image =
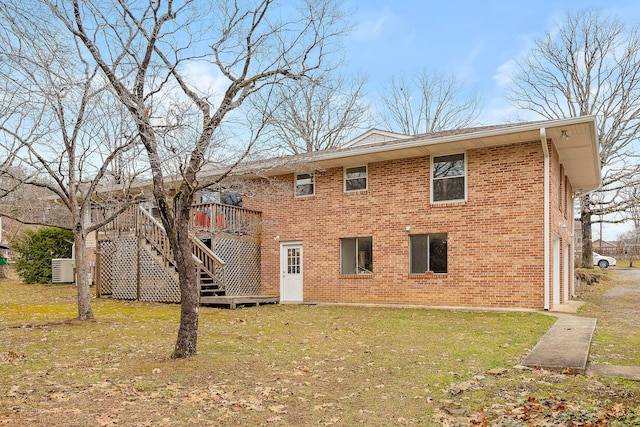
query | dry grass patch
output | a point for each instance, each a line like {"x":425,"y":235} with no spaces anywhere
{"x":616,"y":304}
{"x":287,"y":365}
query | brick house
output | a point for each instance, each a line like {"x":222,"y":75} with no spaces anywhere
{"x":477,"y":217}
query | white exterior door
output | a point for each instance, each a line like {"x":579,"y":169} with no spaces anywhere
{"x":291,"y":272}
{"x":567,"y":283}
{"x":556,"y":270}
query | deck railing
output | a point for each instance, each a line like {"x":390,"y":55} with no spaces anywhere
{"x":211,"y":269}
{"x":218,"y":218}
{"x":206,"y":217}
{"x":126,"y":221}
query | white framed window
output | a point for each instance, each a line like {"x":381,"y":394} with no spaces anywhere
{"x":449,"y":178}
{"x":428,"y":252}
{"x":305,"y":184}
{"x":355,"y":178}
{"x":356,"y":255}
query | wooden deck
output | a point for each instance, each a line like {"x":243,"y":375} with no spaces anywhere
{"x":233,"y":301}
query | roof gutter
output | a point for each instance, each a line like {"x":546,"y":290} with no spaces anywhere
{"x":546,"y":219}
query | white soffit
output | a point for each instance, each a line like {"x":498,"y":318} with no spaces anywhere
{"x":578,"y":153}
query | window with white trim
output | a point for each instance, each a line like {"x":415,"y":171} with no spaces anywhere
{"x":356,"y":255}
{"x":428,"y":252}
{"x":355,"y":178}
{"x":305,"y":184}
{"x":448,"y":178}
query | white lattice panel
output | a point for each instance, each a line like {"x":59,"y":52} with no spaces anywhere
{"x":242,"y":265}
{"x":156,"y":283}
{"x":119,"y":273}
{"x":124,"y":268}
{"x":107,"y":259}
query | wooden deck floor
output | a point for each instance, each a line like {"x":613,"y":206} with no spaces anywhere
{"x":233,"y":301}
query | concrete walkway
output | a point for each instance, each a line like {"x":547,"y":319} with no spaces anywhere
{"x":565,"y":346}
{"x":626,"y":372}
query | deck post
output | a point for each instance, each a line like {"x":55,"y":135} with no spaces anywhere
{"x":138,"y":262}
{"x":98,"y":278}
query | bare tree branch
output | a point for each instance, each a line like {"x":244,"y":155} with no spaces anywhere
{"x":427,"y":102}
{"x":147,"y":50}
{"x":589,"y":65}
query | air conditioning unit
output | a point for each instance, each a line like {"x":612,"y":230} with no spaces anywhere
{"x":62,"y":270}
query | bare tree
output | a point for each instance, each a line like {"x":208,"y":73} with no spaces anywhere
{"x":317,"y":114}
{"x":589,"y":65}
{"x":148,"y":52}
{"x":631,"y":239}
{"x":55,"y":127}
{"x":428,"y":101}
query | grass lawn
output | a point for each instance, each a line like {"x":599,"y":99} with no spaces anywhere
{"x":617,"y":337}
{"x":281,"y":365}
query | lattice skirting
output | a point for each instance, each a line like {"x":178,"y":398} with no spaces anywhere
{"x":242,"y":265}
{"x":119,"y":273}
{"x":121,"y":259}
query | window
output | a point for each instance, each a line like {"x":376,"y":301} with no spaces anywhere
{"x":305,"y":184}
{"x":355,"y":179}
{"x":448,"y":178}
{"x":294,"y":260}
{"x":356,"y":255}
{"x":428,"y":252}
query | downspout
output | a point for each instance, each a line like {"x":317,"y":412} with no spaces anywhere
{"x":546,"y":220}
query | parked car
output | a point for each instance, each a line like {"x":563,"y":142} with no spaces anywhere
{"x":603,"y":261}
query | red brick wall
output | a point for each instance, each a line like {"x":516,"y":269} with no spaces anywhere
{"x":495,"y":245}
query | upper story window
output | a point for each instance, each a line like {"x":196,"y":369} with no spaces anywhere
{"x":448,"y":178}
{"x":305,"y":184}
{"x":355,"y":179}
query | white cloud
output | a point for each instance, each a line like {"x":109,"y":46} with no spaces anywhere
{"x":373,"y":26}
{"x":504,"y":73}
{"x":206,"y":79}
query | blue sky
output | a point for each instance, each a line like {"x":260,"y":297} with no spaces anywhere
{"x":477,"y":40}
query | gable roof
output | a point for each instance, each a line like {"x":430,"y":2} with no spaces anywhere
{"x":575,"y":139}
{"x":374,"y":136}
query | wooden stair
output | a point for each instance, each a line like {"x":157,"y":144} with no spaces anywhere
{"x":219,"y":284}
{"x":210,"y":274}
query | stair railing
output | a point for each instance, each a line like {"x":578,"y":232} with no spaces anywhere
{"x":211,"y":264}
{"x":152,"y":230}
{"x":208,"y":262}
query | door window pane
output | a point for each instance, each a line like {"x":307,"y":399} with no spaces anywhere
{"x":293,"y":261}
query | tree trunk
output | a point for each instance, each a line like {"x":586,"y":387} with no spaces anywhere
{"x":82,"y":284}
{"x":587,"y":242}
{"x":187,"y":340}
